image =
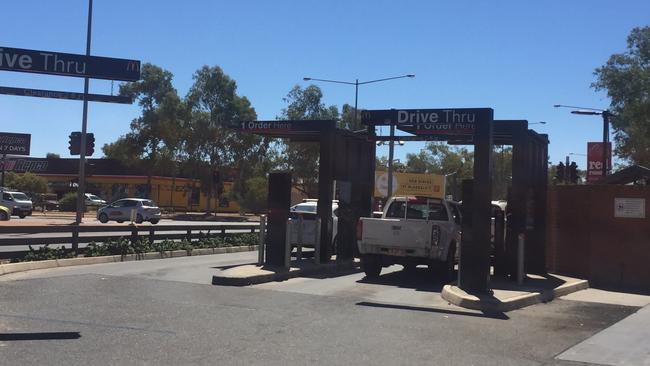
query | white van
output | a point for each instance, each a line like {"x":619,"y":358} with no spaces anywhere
{"x":18,"y":202}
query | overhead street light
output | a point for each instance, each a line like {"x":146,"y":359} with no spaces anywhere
{"x":538,"y":123}
{"x":606,"y":114}
{"x":356,"y":84}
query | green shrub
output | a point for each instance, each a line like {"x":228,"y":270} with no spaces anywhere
{"x":96,"y":250}
{"x":45,"y":253}
{"x":68,"y":202}
{"x":123,"y":246}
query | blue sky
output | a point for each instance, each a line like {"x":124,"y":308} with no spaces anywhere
{"x":517,"y":57}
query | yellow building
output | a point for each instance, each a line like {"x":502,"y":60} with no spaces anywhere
{"x":177,"y":193}
{"x":111,"y":181}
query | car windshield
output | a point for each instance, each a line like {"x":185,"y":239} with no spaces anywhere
{"x":418,"y":209}
{"x":20,"y":197}
{"x":304,"y":208}
{"x":94,"y":198}
{"x":148,"y":203}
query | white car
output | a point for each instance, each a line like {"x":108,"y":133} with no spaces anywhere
{"x":307,"y":210}
{"x":18,"y":202}
{"x":120,"y":211}
{"x":93,"y":200}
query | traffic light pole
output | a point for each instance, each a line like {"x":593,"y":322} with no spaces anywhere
{"x":81,"y":200}
{"x":605,"y":115}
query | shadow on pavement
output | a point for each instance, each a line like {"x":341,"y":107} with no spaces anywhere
{"x":233,"y":265}
{"x":44,"y":336}
{"x":419,"y":279}
{"x":491,"y":315}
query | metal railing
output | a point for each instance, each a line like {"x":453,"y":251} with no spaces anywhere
{"x":132,"y":232}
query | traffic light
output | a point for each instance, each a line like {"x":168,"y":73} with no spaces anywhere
{"x":90,"y":144}
{"x":573,"y":173}
{"x":75,"y":143}
{"x":560,"y":172}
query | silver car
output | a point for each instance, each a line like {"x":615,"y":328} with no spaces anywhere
{"x":120,"y":211}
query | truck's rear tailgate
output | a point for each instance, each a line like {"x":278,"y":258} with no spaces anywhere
{"x":410,"y":235}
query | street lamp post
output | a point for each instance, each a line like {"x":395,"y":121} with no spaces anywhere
{"x":356,"y":84}
{"x":606,"y":114}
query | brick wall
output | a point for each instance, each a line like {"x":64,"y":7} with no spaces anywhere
{"x":587,"y":241}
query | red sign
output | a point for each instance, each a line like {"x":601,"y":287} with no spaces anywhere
{"x":595,"y":160}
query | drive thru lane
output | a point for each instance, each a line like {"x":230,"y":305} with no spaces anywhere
{"x":163,"y":312}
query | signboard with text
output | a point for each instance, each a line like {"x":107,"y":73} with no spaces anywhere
{"x":64,"y":95}
{"x":629,"y":207}
{"x":15,"y":143}
{"x":410,"y":184}
{"x":284,"y":127}
{"x":68,"y":64}
{"x":449,"y":121}
{"x":595,"y":160}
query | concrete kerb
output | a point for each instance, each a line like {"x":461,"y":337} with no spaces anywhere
{"x":250,"y":274}
{"x":48,"y":264}
{"x":458,"y":297}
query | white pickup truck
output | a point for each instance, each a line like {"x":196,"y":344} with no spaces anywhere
{"x":411,"y":231}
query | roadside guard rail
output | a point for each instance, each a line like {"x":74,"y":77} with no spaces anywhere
{"x":132,"y":232}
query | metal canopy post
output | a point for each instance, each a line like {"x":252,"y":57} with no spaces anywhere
{"x":476,"y":251}
{"x":325,"y":191}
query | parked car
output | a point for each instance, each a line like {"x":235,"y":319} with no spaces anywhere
{"x":47,"y":201}
{"x":411,"y":231}
{"x":307,"y":210}
{"x":93,"y":200}
{"x":5,"y":213}
{"x":18,"y":202}
{"x":120,"y":211}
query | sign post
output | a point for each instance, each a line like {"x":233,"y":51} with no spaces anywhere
{"x":81,"y":191}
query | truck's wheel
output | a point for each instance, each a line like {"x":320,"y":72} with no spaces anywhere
{"x":371,"y":266}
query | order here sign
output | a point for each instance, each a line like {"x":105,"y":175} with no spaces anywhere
{"x":15,"y":143}
{"x":410,"y":184}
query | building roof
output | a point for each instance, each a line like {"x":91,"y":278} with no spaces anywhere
{"x":631,"y":174}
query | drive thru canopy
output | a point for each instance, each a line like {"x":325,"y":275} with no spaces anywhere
{"x":349,"y":158}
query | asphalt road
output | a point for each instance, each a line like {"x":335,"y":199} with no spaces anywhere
{"x":164,"y":312}
{"x":87,"y":222}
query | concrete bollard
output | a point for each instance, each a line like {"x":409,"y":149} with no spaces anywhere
{"x":301,"y":223}
{"x":317,"y":242}
{"x":520,"y":258}
{"x":260,"y":249}
{"x":287,"y":245}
